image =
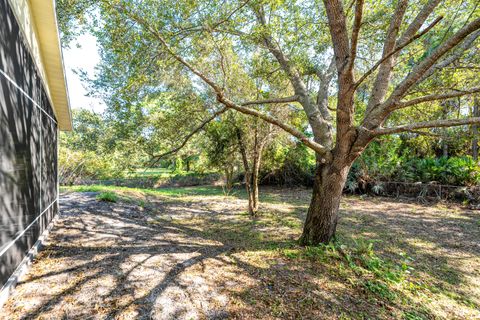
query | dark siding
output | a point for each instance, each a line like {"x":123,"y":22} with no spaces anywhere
{"x":28,"y":149}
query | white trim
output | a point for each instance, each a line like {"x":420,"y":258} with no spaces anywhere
{"x":44,"y":18}
{"x":26,"y":94}
{"x":25,"y":230}
{"x":42,"y":154}
{"x":62,"y":61}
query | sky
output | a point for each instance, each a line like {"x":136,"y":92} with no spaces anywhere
{"x":82,"y":56}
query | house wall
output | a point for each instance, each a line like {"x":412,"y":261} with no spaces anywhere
{"x":28,"y":147}
{"x":24,"y":18}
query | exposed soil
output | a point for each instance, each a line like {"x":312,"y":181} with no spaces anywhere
{"x":202,"y":257}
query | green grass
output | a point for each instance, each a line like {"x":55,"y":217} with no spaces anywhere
{"x":107,"y":196}
{"x":169,"y":192}
{"x":180,"y":192}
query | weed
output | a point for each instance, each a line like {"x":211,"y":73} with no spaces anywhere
{"x":381,"y":289}
{"x":364,"y":247}
{"x":293,"y":254}
{"x":375,"y":274}
{"x":412,"y":315}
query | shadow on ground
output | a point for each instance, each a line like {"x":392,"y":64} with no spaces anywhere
{"x":201,"y":257}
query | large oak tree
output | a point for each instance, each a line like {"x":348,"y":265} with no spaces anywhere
{"x":326,"y":53}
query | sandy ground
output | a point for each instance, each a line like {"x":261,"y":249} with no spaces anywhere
{"x":109,"y":261}
{"x":122,"y":261}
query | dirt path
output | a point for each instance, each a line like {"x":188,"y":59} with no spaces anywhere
{"x":201,"y":258}
{"x":109,"y":261}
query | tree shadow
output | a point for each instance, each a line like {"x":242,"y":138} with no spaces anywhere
{"x":442,"y":242}
{"x":177,"y":261}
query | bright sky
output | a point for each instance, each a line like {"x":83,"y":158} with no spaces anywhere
{"x":82,"y":56}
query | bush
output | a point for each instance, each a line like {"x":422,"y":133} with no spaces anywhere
{"x":298,"y":168}
{"x":75,"y":166}
{"x":460,"y":171}
{"x":454,"y":170}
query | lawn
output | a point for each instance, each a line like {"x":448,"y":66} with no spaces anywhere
{"x":194,"y":253}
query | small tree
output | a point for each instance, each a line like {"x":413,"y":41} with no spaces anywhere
{"x":222,"y":151}
{"x":252,"y":139}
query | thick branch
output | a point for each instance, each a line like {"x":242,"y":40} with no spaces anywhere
{"x":341,"y":47}
{"x":293,"y":98}
{"x":418,"y":71}
{"x":187,"y":138}
{"x":419,"y":20}
{"x":427,"y":124}
{"x":464,"y":46}
{"x":357,"y":23}
{"x":322,"y":96}
{"x":434,"y":97}
{"x":292,"y":130}
{"x":321,"y":126}
{"x":397,"y":49}
{"x":384,"y":74}
{"x":338,"y":31}
{"x":277,"y":52}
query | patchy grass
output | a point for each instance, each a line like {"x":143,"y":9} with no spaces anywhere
{"x":183,"y":192}
{"x":168,"y":192}
{"x":195,"y":253}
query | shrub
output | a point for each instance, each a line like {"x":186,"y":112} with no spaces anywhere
{"x":461,"y":171}
{"x":297,"y":168}
{"x":453,"y":170}
{"x":75,"y":166}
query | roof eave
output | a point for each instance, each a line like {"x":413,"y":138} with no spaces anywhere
{"x":44,"y":16}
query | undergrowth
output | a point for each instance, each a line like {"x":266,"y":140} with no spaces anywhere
{"x":376,"y":275}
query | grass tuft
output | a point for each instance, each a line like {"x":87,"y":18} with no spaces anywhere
{"x":107,"y":196}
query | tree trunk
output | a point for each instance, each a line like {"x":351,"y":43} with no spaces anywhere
{"x":251,"y":181}
{"x":445,"y":148}
{"x":254,"y":183}
{"x":322,"y":215}
{"x":229,"y":171}
{"x":251,"y":177}
{"x":252,"y":200}
{"x":476,"y":113}
{"x":252,"y":192}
